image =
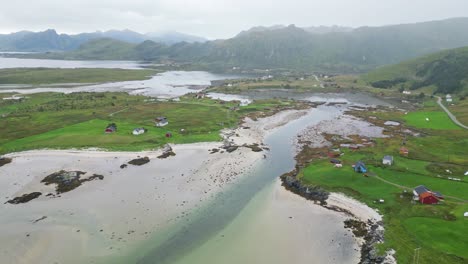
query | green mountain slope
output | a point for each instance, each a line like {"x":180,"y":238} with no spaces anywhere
{"x":291,"y":47}
{"x":442,"y":72}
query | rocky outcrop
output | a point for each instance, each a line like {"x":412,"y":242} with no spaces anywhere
{"x":167,"y":152}
{"x":24,"y":198}
{"x":314,"y":193}
{"x":68,"y":180}
{"x":139,"y":161}
{"x":4,"y":161}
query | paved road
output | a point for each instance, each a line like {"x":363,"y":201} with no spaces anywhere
{"x":454,"y":119}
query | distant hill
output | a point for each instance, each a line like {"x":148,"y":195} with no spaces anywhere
{"x":443,"y":72}
{"x":49,"y":40}
{"x":291,"y":47}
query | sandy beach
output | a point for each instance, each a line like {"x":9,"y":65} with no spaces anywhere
{"x":109,"y":217}
{"x":279,"y":227}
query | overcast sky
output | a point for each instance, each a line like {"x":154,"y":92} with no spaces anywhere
{"x":215,"y":18}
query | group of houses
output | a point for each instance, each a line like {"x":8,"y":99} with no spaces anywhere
{"x":158,"y":122}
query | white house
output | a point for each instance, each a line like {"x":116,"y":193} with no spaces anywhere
{"x":387,"y":160}
{"x":406,"y":92}
{"x":448,"y":98}
{"x":138,"y":131}
{"x":161,"y":121}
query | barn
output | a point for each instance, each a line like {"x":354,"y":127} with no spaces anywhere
{"x":428,"y":198}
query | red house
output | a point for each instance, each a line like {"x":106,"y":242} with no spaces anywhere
{"x":404,"y":151}
{"x":428,"y":198}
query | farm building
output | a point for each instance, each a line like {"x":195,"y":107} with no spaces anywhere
{"x":139,"y":131}
{"x":426,"y":196}
{"x":387,"y":160}
{"x":404,"y":151}
{"x":448,"y":98}
{"x":360,"y":167}
{"x":161,"y":121}
{"x":111,"y":128}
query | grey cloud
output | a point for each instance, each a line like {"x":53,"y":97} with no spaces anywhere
{"x":216,"y":18}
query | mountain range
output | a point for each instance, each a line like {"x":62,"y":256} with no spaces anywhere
{"x":50,"y":40}
{"x":334,"y":49}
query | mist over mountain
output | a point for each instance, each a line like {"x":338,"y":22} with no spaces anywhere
{"x":339,"y":50}
{"x":50,"y":40}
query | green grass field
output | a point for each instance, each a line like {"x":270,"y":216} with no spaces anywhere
{"x":440,"y":230}
{"x":78,"y":120}
{"x":36,"y":76}
{"x":437,"y":120}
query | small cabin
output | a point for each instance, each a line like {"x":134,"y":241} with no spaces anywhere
{"x":387,"y":160}
{"x":404,"y":151}
{"x":161,"y":121}
{"x":111,"y":128}
{"x":360,"y":167}
{"x":139,"y":131}
{"x":448,"y":98}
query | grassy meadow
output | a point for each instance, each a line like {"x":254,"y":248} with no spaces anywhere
{"x":439,"y":230}
{"x":38,"y":76}
{"x":78,"y":120}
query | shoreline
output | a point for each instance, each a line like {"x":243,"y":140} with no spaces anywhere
{"x":195,"y":186}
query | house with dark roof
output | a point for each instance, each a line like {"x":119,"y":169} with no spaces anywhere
{"x":139,"y":131}
{"x":426,"y":196}
{"x":111,"y":128}
{"x":161,"y":121}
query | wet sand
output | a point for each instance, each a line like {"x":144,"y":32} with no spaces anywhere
{"x":128,"y":205}
{"x":280,"y":227}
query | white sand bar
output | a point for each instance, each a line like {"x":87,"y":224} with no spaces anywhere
{"x":127,"y":205}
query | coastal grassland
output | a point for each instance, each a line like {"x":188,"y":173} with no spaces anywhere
{"x":38,"y":76}
{"x":78,"y":120}
{"x":439,"y":230}
{"x":436,"y":120}
{"x":460,"y":110}
{"x":296,"y":83}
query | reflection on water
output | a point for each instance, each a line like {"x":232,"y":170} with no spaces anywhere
{"x":6,"y":63}
{"x":164,"y":85}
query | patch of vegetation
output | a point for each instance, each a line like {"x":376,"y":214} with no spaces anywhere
{"x":78,"y":120}
{"x":5,"y":161}
{"x":387,"y":83}
{"x":139,"y":161}
{"x":437,"y":229}
{"x":430,"y":120}
{"x":443,"y":72}
{"x":37,"y":76}
{"x":68,"y":180}
{"x":24,"y":198}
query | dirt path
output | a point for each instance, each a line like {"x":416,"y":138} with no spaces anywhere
{"x":454,"y":119}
